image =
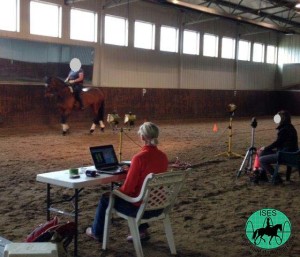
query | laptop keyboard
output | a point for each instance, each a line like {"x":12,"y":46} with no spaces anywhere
{"x":109,"y":168}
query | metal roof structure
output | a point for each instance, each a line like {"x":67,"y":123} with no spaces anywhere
{"x":279,"y":15}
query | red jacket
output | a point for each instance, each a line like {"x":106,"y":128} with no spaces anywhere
{"x":149,"y":160}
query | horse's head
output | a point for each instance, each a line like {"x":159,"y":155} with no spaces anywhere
{"x":53,"y":86}
{"x":49,"y":88}
{"x":279,"y":226}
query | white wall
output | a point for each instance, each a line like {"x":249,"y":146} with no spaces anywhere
{"x":289,"y":59}
{"x":130,"y":67}
{"x":116,"y":66}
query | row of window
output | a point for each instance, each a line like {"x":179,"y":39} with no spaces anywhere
{"x":46,"y":20}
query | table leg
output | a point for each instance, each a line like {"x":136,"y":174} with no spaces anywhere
{"x":76,"y":221}
{"x":48,"y":201}
{"x":75,"y":214}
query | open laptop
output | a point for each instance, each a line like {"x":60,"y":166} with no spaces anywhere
{"x":105,"y":159}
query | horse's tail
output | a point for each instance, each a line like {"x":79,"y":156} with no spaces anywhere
{"x":254,"y":234}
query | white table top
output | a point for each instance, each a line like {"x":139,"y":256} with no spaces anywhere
{"x":3,"y":243}
{"x":62,"y":178}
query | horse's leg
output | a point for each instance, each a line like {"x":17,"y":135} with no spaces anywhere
{"x":102,"y":126}
{"x":98,"y":120}
{"x":270,"y":240}
{"x":255,"y":240}
{"x":101,"y":116}
{"x":64,"y":124}
{"x":261,"y":236}
{"x":95,"y":120}
{"x":279,"y":238}
{"x":92,"y":129}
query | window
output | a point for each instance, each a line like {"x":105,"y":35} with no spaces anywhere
{"x":228,"y":48}
{"x":210,"y":45}
{"x":169,"y":39}
{"x":258,"y":52}
{"x":191,"y":42}
{"x":45,"y":19}
{"x":244,"y":50}
{"x":271,"y":54}
{"x":144,"y":35}
{"x":116,"y":31}
{"x":10,"y":15}
{"x":83,"y":25}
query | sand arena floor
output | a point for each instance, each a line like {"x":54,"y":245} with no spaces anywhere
{"x":210,"y":215}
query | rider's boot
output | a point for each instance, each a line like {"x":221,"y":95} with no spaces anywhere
{"x":81,"y":106}
{"x":79,"y":99}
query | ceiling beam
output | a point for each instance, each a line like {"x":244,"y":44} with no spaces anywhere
{"x":67,"y":2}
{"x":258,"y":12}
{"x":112,"y":4}
{"x":214,"y":12}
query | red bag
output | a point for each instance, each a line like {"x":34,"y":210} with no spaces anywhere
{"x":62,"y":234}
{"x":51,"y":231}
{"x":41,"y":229}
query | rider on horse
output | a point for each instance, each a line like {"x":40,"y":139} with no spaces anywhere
{"x":75,"y":78}
{"x":268,"y":223}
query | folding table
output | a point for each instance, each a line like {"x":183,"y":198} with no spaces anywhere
{"x":62,"y":179}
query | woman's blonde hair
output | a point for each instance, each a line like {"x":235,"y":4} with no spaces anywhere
{"x":150,"y":133}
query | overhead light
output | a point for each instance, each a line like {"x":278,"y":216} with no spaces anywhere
{"x":297,"y":5}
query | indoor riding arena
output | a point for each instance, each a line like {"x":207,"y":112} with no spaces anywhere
{"x":212,"y":75}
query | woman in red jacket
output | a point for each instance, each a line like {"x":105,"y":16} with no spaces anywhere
{"x":149,"y":160}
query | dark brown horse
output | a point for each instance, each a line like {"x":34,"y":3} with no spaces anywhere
{"x":91,"y":97}
{"x":269,"y":231}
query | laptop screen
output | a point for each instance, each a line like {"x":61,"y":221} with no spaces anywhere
{"x":104,"y":156}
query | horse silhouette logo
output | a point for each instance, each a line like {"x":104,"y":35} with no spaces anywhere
{"x":268,"y":228}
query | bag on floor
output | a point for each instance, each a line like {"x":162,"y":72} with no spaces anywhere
{"x":41,"y":229}
{"x":52,"y":231}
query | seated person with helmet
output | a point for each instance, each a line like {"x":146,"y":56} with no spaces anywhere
{"x":287,"y":140}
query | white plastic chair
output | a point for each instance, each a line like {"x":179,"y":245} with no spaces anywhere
{"x":159,"y":192}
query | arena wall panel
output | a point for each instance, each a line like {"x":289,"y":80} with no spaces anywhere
{"x":290,"y":100}
{"x":26,"y":105}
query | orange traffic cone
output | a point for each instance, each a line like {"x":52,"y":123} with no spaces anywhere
{"x":215,"y":128}
{"x":256,"y":164}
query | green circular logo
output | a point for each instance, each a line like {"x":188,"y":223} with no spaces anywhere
{"x":268,"y":229}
